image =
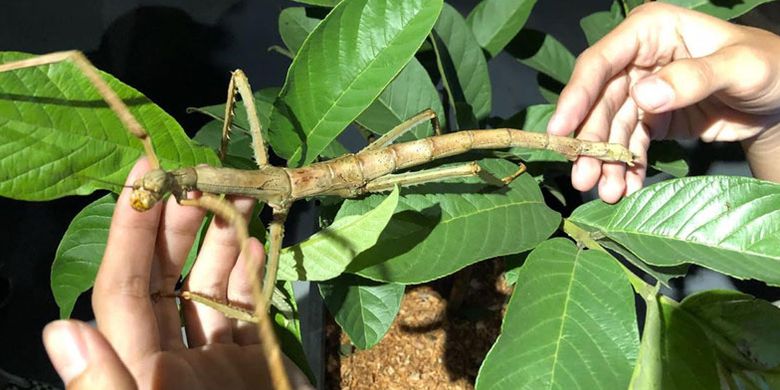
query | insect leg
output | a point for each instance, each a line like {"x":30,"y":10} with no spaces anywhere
{"x":404,"y":127}
{"x":255,"y":128}
{"x":276,"y":231}
{"x":386,"y":183}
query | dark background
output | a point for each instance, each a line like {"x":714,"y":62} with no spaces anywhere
{"x":179,"y":54}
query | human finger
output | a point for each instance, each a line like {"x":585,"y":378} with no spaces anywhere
{"x":178,"y":227}
{"x":83,"y":357}
{"x":612,"y":184}
{"x":121,"y":296}
{"x":250,"y":260}
{"x":209,"y":277}
{"x":639,"y":146}
{"x":593,"y":70}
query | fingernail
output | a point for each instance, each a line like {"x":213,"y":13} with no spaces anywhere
{"x":66,"y":349}
{"x":653,"y":93}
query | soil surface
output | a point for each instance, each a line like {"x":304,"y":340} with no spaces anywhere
{"x":442,"y":333}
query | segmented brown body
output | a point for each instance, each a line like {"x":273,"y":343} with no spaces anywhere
{"x":348,"y":175}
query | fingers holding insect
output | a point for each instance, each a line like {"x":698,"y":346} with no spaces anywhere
{"x":240,"y":289}
{"x":209,"y":277}
{"x":121,"y":296}
{"x":612,"y":184}
{"x":597,"y":127}
{"x":178,"y":227}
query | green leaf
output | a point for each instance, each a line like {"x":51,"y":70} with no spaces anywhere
{"x":60,"y":138}
{"x":496,"y":22}
{"x":335,"y":149}
{"x":534,"y":118}
{"x":719,"y":9}
{"x":668,"y":157}
{"x":543,"y":53}
{"x":468,"y":59}
{"x":597,"y":25}
{"x":570,"y":324}
{"x":295,"y":26}
{"x":673,"y":354}
{"x":442,"y":227}
{"x":596,"y":213}
{"x":80,"y":251}
{"x":459,"y":108}
{"x":374,"y":40}
{"x":364,"y":309}
{"x":744,"y":329}
{"x":728,"y":224}
{"x":409,"y":94}
{"x":326,"y":254}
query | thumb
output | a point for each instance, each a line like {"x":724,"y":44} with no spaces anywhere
{"x":83,"y":358}
{"x":683,"y":83}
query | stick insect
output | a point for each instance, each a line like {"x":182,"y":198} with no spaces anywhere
{"x":372,"y":169}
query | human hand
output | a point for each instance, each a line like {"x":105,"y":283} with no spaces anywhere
{"x":668,"y":72}
{"x":139,"y":343}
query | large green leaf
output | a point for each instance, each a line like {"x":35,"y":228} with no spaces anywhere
{"x":295,"y":26}
{"x":570,"y":324}
{"x":58,"y":137}
{"x":409,"y":94}
{"x":364,"y":309}
{"x":344,"y":64}
{"x":442,"y":227}
{"x":496,"y":22}
{"x":720,"y":9}
{"x":728,"y":224}
{"x":468,"y":60}
{"x":326,"y":254}
{"x":79,"y":253}
{"x":598,"y":24}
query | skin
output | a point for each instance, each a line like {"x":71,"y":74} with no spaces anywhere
{"x":138,"y":343}
{"x":668,"y":72}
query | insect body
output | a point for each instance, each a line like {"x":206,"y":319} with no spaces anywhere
{"x":370,"y":170}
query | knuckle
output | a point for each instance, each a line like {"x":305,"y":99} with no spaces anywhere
{"x":135,"y":287}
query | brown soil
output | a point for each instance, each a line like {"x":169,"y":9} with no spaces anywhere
{"x":434,"y":343}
